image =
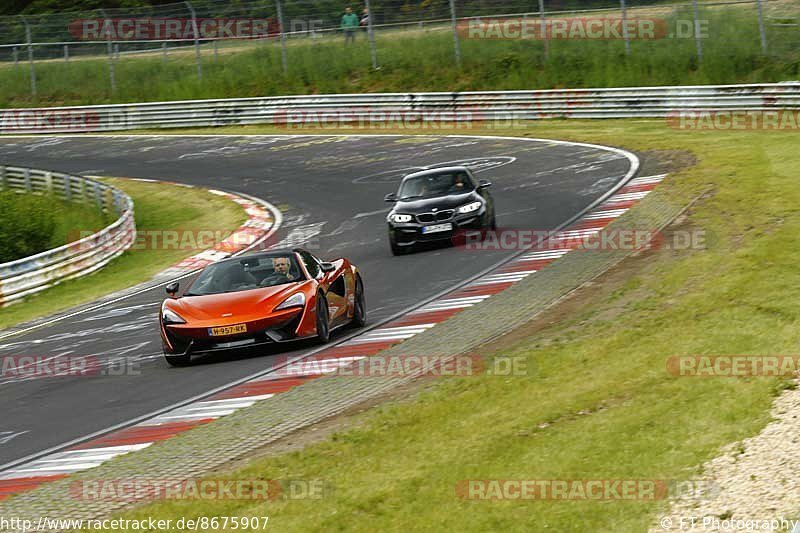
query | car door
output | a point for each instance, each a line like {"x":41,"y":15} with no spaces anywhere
{"x":333,"y":284}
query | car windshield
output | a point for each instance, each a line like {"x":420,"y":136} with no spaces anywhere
{"x":245,"y":274}
{"x":432,"y":185}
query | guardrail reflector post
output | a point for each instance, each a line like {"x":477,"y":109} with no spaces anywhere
{"x":97,"y":196}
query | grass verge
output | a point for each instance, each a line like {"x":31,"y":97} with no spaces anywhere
{"x":34,"y":223}
{"x":599,"y":402}
{"x":732,"y":54}
{"x":158,"y":206}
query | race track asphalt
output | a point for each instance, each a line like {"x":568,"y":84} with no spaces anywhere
{"x":330,"y":190}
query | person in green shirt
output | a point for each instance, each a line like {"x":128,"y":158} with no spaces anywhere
{"x":349,"y":25}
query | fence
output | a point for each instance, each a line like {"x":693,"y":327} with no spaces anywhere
{"x":409,"y":108}
{"x":32,"y":274}
{"x":208,"y":27}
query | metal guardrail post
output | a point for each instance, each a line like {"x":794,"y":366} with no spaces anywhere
{"x":543,"y":28}
{"x":2,"y":178}
{"x":66,"y":53}
{"x":454,"y":23}
{"x":15,"y":55}
{"x":164,"y":51}
{"x":48,"y":181}
{"x":29,"y":39}
{"x":110,"y":49}
{"x":761,"y":30}
{"x":27,"y":179}
{"x":698,"y":39}
{"x":196,"y":32}
{"x":67,"y":188}
{"x":284,"y":59}
{"x":625,"y":28}
{"x":97,"y":198}
{"x":371,"y":36}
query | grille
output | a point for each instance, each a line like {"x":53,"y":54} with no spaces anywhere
{"x":441,"y":216}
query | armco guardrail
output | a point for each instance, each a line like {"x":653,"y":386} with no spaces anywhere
{"x":379,"y":107}
{"x":32,"y":274}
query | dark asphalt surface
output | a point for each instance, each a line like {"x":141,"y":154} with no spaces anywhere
{"x":330,"y":190}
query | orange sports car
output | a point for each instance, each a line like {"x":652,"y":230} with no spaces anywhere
{"x":260,"y":298}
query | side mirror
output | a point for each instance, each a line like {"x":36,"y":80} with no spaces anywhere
{"x":483,"y":184}
{"x":172,"y":289}
{"x":327,"y":267}
{"x":391,"y":197}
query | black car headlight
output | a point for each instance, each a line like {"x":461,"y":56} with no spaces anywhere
{"x":171,"y":317}
{"x":399,"y":217}
{"x":295,"y":300}
{"x":470,"y":207}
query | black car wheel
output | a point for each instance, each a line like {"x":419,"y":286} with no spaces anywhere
{"x":360,"y":305}
{"x":323,"y":327}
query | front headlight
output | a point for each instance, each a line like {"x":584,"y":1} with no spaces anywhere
{"x":395,"y":217}
{"x":295,"y":300}
{"x":470,"y":207}
{"x":171,"y":317}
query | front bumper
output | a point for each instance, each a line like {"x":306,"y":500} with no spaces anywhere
{"x":185,"y":339}
{"x":410,"y":233}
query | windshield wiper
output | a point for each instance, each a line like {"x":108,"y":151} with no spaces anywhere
{"x":410,"y":197}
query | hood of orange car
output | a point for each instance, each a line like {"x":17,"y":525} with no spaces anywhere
{"x":242,"y":303}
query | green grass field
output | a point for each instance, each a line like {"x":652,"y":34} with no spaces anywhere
{"x":600,"y":403}
{"x":157,"y":206}
{"x":32,"y":223}
{"x":421,"y":62}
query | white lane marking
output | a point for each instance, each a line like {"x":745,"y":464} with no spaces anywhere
{"x":627,"y":196}
{"x":73,"y":460}
{"x":609,"y":213}
{"x":189,"y":416}
{"x":371,"y":213}
{"x":541,"y":255}
{"x":646,"y":180}
{"x":7,"y":436}
{"x":505,"y":276}
{"x":120,"y":449}
{"x":251,"y":399}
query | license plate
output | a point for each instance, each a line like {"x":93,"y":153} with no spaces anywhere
{"x":437,"y":228}
{"x":227,"y":330}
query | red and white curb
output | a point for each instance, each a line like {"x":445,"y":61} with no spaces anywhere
{"x":261,"y":219}
{"x":94,"y":452}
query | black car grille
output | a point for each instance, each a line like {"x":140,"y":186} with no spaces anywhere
{"x":439,"y":216}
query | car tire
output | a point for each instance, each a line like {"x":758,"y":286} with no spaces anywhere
{"x":178,"y":360}
{"x":360,"y":305}
{"x":323,"y":320}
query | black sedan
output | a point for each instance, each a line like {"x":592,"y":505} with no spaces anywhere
{"x":436,"y":205}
